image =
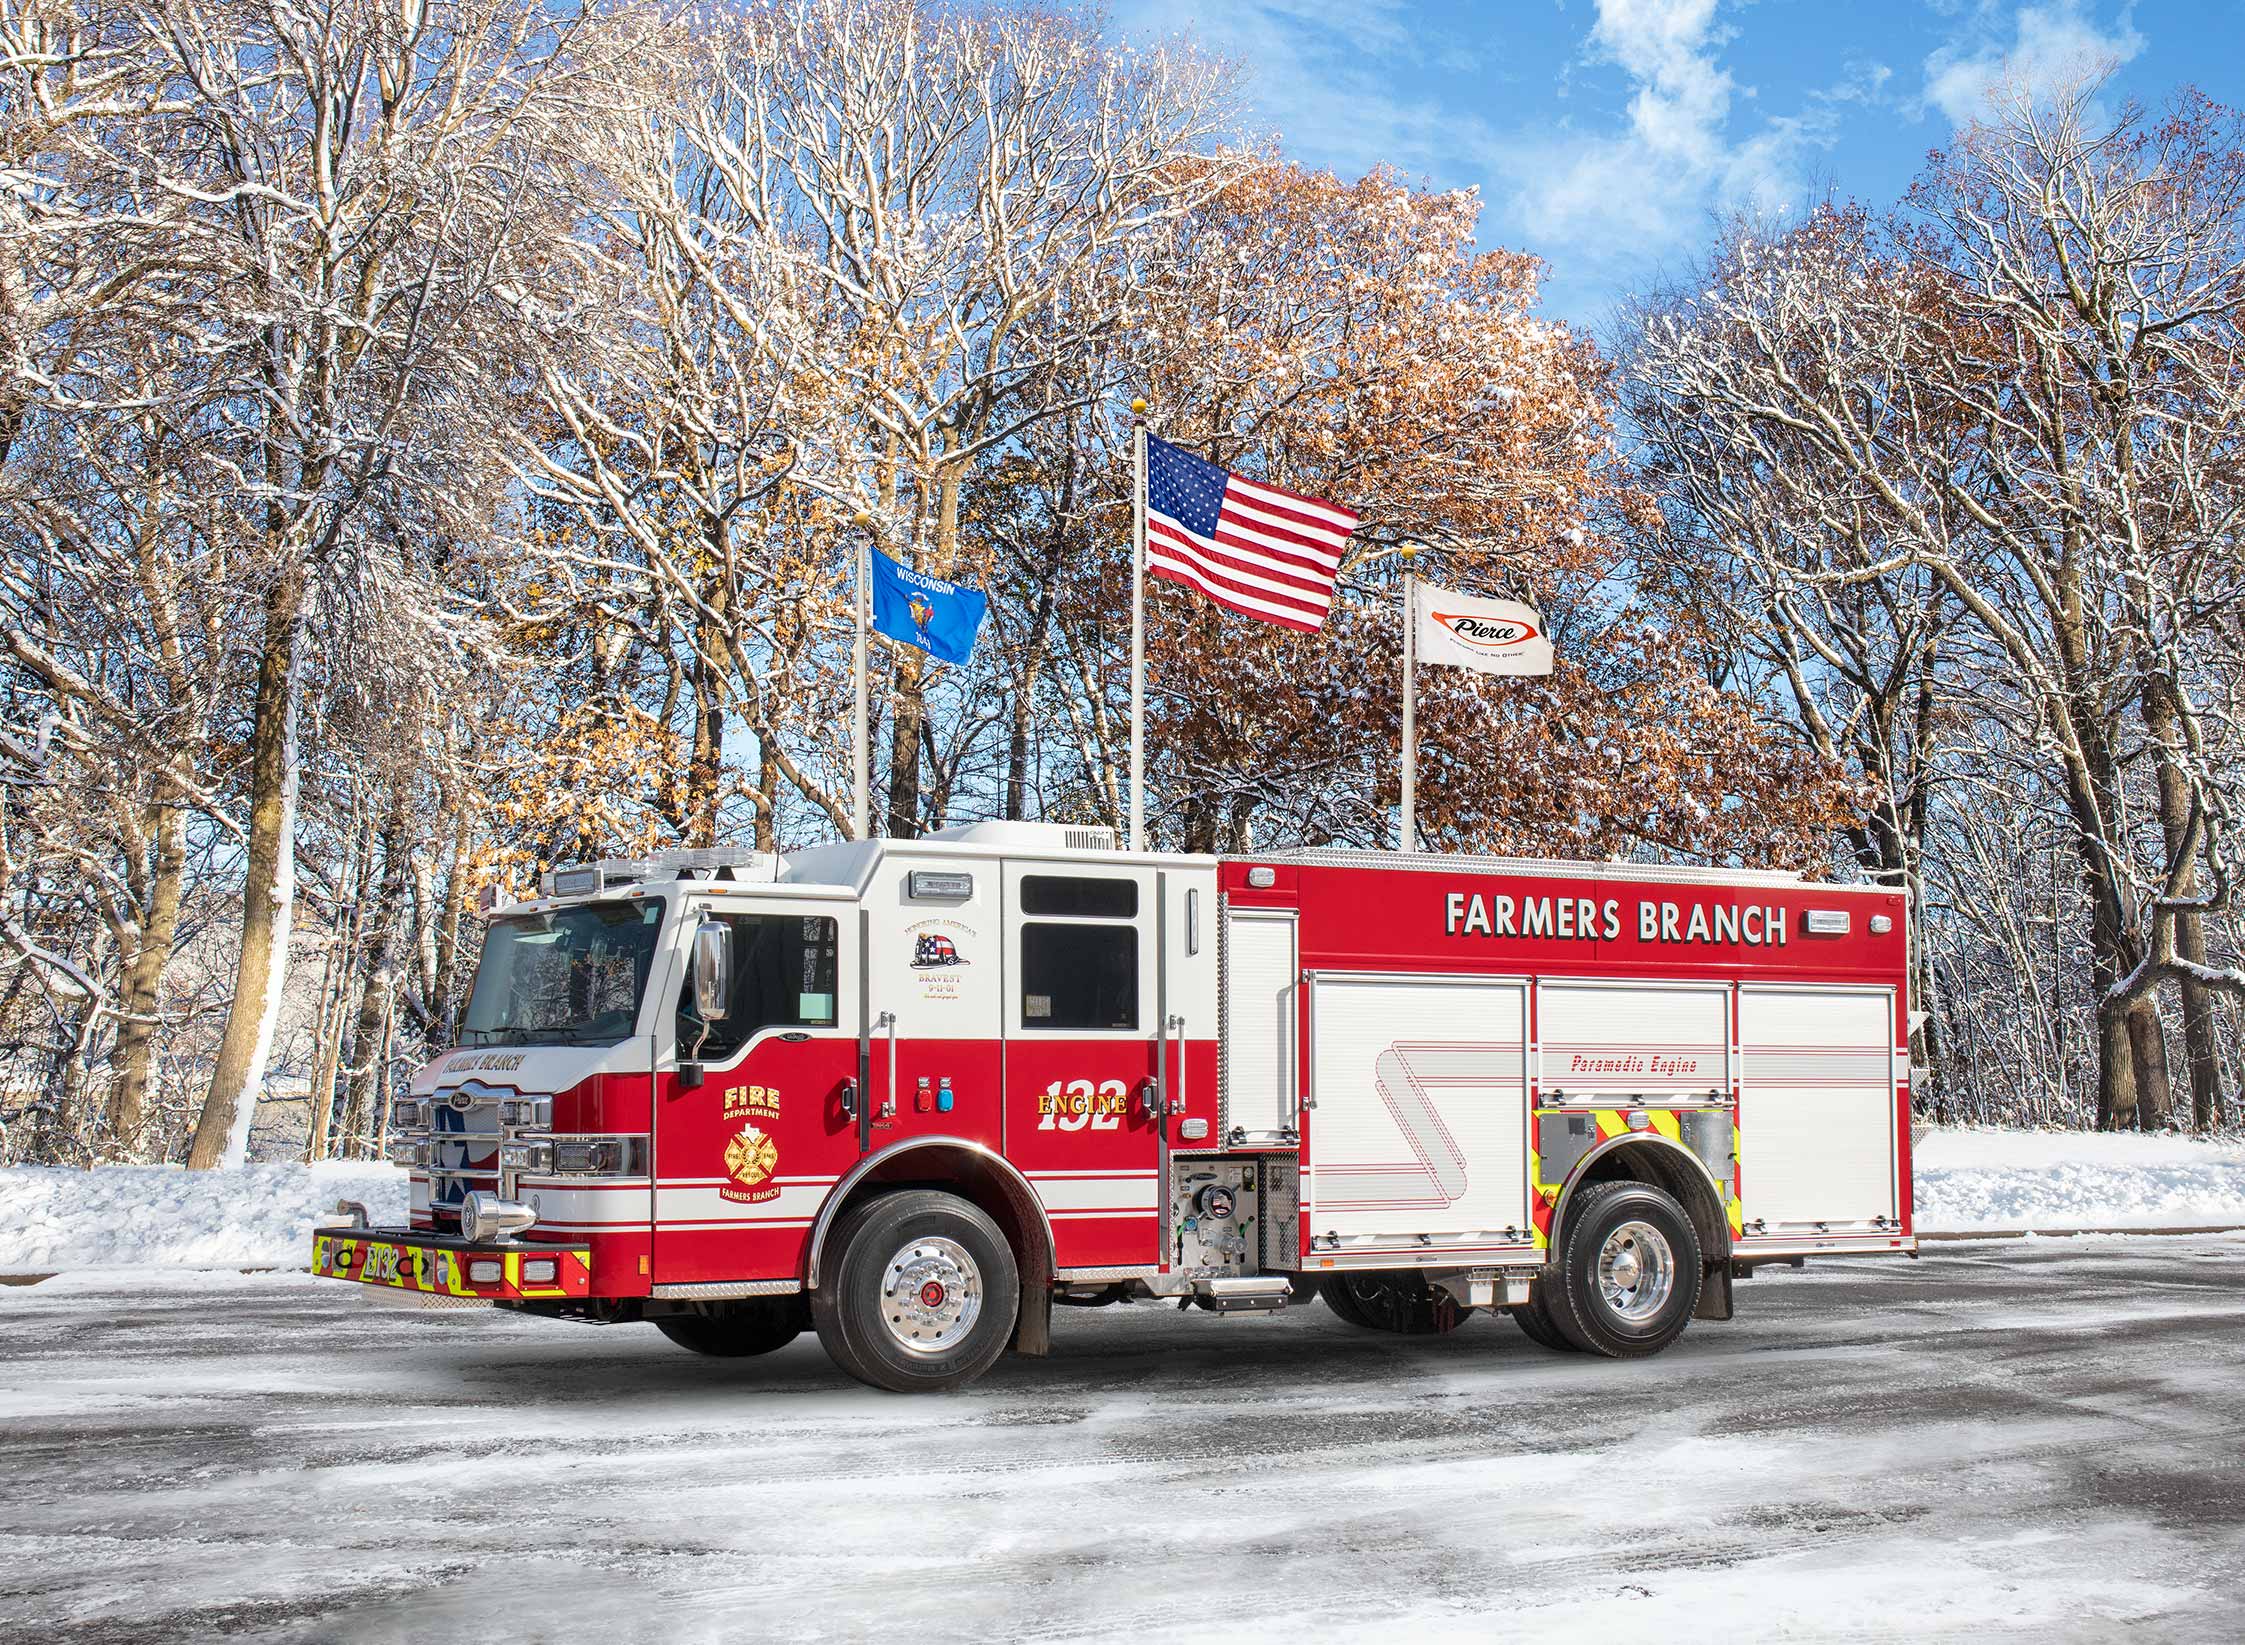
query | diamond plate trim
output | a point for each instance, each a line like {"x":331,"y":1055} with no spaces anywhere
{"x":720,"y":1291}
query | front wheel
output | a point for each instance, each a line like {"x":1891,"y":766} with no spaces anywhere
{"x":740,"y":1332}
{"x":923,"y":1294}
{"x":1627,"y":1274}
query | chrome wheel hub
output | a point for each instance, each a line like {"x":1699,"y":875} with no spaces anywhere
{"x":931,"y":1295}
{"x":1636,"y":1272}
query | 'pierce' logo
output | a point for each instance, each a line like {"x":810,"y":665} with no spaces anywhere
{"x":1487,"y":633}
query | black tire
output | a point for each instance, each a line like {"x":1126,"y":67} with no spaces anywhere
{"x":741,"y":1332}
{"x":1534,"y":1319}
{"x":1401,"y":1303}
{"x":877,"y":1326}
{"x":1579,"y":1302}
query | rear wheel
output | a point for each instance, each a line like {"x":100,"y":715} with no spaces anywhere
{"x":922,"y":1295}
{"x":1534,"y":1318}
{"x":1628,"y":1271}
{"x":740,"y":1332}
{"x":1401,"y":1303}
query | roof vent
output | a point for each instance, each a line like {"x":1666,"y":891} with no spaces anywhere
{"x":1028,"y":836}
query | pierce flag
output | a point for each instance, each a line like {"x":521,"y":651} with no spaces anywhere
{"x":1493,"y":636}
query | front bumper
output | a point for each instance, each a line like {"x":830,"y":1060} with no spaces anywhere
{"x":443,"y":1265}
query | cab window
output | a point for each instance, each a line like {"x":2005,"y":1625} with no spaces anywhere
{"x":1078,"y":971}
{"x":783,"y":976}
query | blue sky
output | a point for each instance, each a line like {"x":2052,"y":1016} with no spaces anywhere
{"x":1605,"y":135}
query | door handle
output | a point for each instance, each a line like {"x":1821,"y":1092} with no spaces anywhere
{"x":887,"y":1020}
{"x":1177,"y":1101}
{"x":849,"y":1099}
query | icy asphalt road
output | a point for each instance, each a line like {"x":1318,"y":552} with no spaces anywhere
{"x":2036,"y":1441}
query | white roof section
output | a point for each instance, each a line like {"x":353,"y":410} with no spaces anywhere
{"x":848,"y":866}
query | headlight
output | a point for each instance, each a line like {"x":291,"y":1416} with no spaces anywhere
{"x":574,"y":1156}
{"x":595,"y":1156}
{"x":409,"y":1114}
{"x":408,"y":1151}
{"x":524,"y":1154}
{"x":526,"y":1113}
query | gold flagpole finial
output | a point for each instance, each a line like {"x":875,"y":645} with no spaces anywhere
{"x":1138,"y":408}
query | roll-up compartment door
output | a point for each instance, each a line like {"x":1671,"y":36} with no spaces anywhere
{"x":1663,"y":1041}
{"x":1420,"y":1125}
{"x":1816,"y":1115}
{"x":1261,"y":1009}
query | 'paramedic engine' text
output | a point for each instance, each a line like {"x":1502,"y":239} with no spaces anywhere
{"x":1586,"y":919}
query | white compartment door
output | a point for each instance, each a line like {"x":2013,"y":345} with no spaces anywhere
{"x":1262,"y":999}
{"x":1654,"y":1042}
{"x":1421,"y":1118}
{"x":1816,"y":1139}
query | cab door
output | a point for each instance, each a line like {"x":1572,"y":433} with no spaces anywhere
{"x":1087,"y":1060}
{"x":754,"y":1116}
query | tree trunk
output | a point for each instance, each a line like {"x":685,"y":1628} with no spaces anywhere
{"x":2200,"y":1044}
{"x":335,"y":989}
{"x":2147,"y":1044}
{"x":268,"y":888}
{"x":378,"y":980}
{"x":448,"y":983}
{"x":135,"y":1052}
{"x":2201,"y":1036}
{"x":705,"y":769}
{"x":908,"y":707}
{"x":2116,"y":1079}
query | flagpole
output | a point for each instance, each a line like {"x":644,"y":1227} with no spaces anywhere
{"x":860,"y":733}
{"x":1138,"y":625}
{"x":1410,"y":699}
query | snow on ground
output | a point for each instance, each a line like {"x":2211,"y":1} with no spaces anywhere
{"x":1989,"y":1179}
{"x":118,"y":1216}
{"x":261,"y":1216}
{"x":2027,"y":1441}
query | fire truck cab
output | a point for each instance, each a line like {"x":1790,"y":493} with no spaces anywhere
{"x":911,"y":1093}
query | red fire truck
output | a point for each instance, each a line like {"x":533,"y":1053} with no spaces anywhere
{"x":729,"y":1097}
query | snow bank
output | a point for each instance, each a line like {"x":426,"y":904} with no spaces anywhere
{"x":259,"y":1216}
{"x":1975,"y":1179}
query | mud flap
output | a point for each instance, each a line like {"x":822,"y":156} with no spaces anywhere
{"x":1032,"y":1327}
{"x":1714,"y":1291}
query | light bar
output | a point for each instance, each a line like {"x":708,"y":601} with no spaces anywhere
{"x":931,"y":885}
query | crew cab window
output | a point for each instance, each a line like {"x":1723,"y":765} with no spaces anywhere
{"x":783,"y":976}
{"x":1071,"y":897}
{"x":1078,"y":971}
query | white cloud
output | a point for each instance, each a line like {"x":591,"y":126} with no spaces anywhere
{"x":1350,"y":84}
{"x":2050,"y":45}
{"x":1325,"y":74}
{"x":1619,"y":195}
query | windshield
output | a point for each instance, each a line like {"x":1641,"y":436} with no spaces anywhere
{"x":574,"y":976}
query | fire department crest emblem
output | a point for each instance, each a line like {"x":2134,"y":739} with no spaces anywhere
{"x":750,"y":1159}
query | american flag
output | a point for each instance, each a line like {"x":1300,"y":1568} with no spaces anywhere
{"x":1251,"y":547}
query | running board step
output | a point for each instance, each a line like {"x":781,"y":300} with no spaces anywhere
{"x":1242,"y":1293}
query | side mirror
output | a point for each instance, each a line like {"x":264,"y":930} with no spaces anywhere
{"x":713,"y":970}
